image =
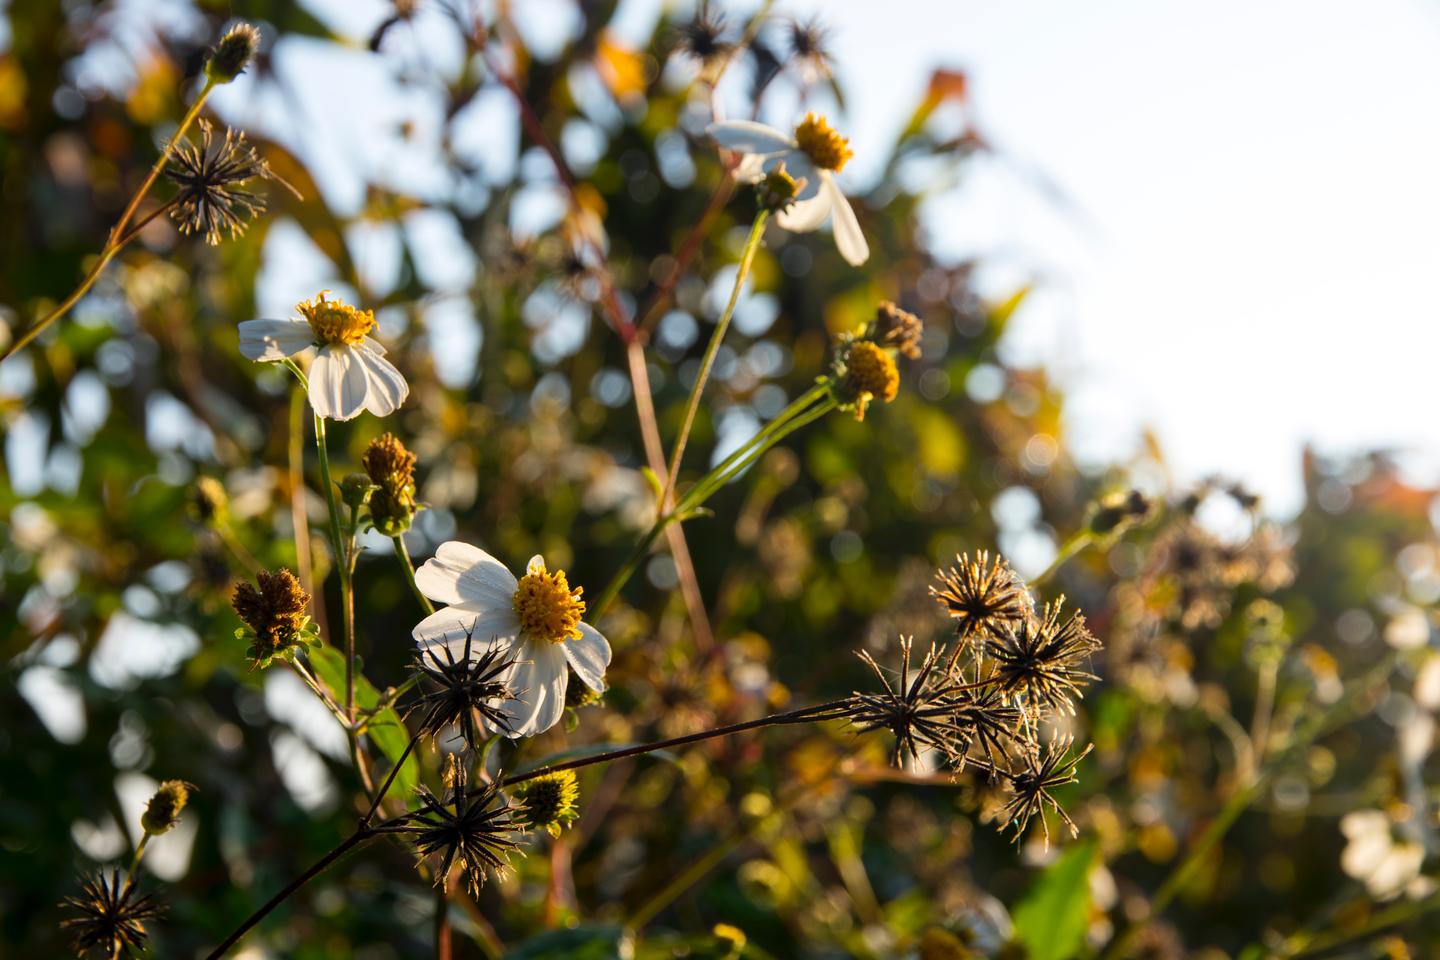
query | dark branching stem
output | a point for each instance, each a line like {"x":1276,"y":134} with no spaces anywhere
{"x":366,"y":831}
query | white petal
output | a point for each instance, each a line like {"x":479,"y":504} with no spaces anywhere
{"x":539,"y":681}
{"x":848,"y":238}
{"x":589,"y":655}
{"x":388,"y":389}
{"x":805,"y":215}
{"x":338,"y":382}
{"x":750,"y":169}
{"x":747,"y":136}
{"x":376,"y":347}
{"x":461,"y":573}
{"x":274,"y":339}
{"x":449,"y":627}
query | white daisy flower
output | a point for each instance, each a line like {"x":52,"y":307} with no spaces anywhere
{"x":814,"y":154}
{"x":349,"y":372}
{"x":535,"y":620}
{"x":1374,"y":856}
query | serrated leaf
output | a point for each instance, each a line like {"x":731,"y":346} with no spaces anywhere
{"x":1051,"y":919}
{"x":385,"y":729}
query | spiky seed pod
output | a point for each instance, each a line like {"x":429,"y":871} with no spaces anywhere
{"x":233,"y":53}
{"x":985,"y":599}
{"x":467,"y":692}
{"x":1115,"y":514}
{"x":809,"y":48}
{"x":274,"y":615}
{"x":112,"y":916}
{"x":1031,"y":788}
{"x":1038,"y":664}
{"x":391,"y":468}
{"x":986,"y":723}
{"x":475,"y":833}
{"x":549,"y":802}
{"x":164,"y":809}
{"x":703,"y":38}
{"x":210,"y":177}
{"x":917,"y":709}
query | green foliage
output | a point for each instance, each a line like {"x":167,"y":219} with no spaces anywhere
{"x":1051,"y":919}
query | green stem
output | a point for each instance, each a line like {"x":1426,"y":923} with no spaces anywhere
{"x":119,"y":236}
{"x":402,"y":553}
{"x":1067,"y":550}
{"x":385,"y":787}
{"x":135,"y":861}
{"x":342,"y":562}
{"x":747,"y":257}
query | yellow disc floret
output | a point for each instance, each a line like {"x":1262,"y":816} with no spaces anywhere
{"x":819,"y":141}
{"x":335,"y":322}
{"x":548,"y":609}
{"x":870,"y":372}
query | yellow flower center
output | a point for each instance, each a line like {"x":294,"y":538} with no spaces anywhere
{"x":546,"y":606}
{"x":871,"y":369}
{"x":336,"y":322}
{"x":819,"y":141}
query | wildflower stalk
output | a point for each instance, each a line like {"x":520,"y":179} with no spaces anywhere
{"x":402,"y":553}
{"x":1068,"y":550}
{"x":119,"y":235}
{"x":799,"y":413}
{"x":747,"y":258}
{"x":389,"y":779}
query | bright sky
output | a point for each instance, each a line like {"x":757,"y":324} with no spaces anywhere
{"x":1250,"y":258}
{"x":1245,"y":254}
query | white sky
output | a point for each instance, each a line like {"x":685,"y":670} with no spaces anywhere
{"x":1250,"y":257}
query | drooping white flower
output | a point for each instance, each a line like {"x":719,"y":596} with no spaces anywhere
{"x":814,"y":154}
{"x":535,"y":620}
{"x":349,"y":373}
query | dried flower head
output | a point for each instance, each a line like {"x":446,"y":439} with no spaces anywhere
{"x":476,"y":833}
{"x":985,"y":599}
{"x":703,"y":38}
{"x":1031,"y":788}
{"x":210,"y":177}
{"x":112,"y":916}
{"x":865,"y":372}
{"x":229,"y":58}
{"x":898,"y":329}
{"x":391,"y":469}
{"x":822,"y":144}
{"x":987,"y":723}
{"x":467,"y":692}
{"x":809,"y":50}
{"x":549,"y":802}
{"x":1038,"y":663}
{"x":1114,"y":514}
{"x":274,"y":615}
{"x":918,"y":710}
{"x":163,"y":810}
{"x":209,"y":502}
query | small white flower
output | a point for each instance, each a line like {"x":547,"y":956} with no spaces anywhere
{"x":349,"y":373}
{"x":814,"y":154}
{"x":1374,"y":856}
{"x":535,"y":620}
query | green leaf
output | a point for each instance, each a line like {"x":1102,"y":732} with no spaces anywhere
{"x":581,"y":943}
{"x":1052,"y":917}
{"x":386,"y":729}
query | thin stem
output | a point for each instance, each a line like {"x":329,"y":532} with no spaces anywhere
{"x":344,"y":847}
{"x":1067,"y":550}
{"x":403,"y":555}
{"x":442,"y":920}
{"x":118,"y":235}
{"x":747,"y":257}
{"x":135,"y":861}
{"x":385,"y":787}
{"x":321,"y":692}
{"x":342,"y":562}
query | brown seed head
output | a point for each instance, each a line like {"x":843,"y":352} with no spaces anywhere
{"x":275,"y":613}
{"x":898,"y":329}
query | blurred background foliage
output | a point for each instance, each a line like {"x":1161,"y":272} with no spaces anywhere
{"x":1228,"y":635}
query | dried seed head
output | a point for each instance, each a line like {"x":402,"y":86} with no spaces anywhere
{"x":477,"y":834}
{"x":210,"y":177}
{"x":163,"y":810}
{"x":112,"y":916}
{"x":703,"y":38}
{"x":985,"y":599}
{"x":548,"y":802}
{"x":391,"y":469}
{"x":233,"y":53}
{"x":1031,"y":788}
{"x":809,"y":49}
{"x":462,"y":693}
{"x":898,"y":329}
{"x":1118,"y":512}
{"x":274,"y":615}
{"x":918,"y":709}
{"x":1038,"y":663}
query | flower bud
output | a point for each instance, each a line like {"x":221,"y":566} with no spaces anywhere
{"x":355,"y":490}
{"x":233,"y":53}
{"x":778,"y":190}
{"x":391,"y":468}
{"x":548,"y":802}
{"x":163,"y":810}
